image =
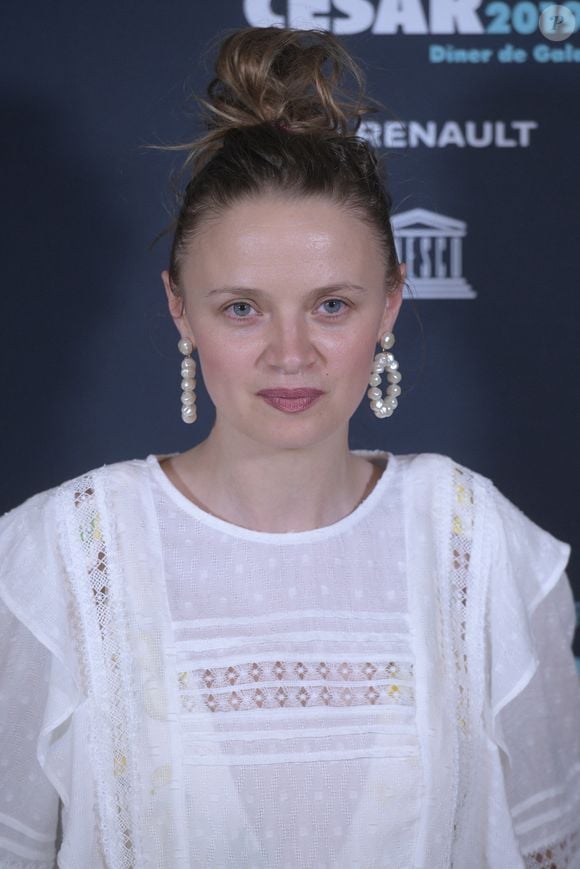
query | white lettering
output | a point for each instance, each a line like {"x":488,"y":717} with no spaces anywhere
{"x":371,"y":131}
{"x":258,"y":13}
{"x":359,"y":16}
{"x":395,"y":135}
{"x":406,"y":14}
{"x":427,"y":135}
{"x":455,"y":16}
{"x":476,"y":141}
{"x":500,"y":137}
{"x":524,"y":128}
{"x":308,"y":14}
{"x":451,"y":135}
{"x":473,"y":134}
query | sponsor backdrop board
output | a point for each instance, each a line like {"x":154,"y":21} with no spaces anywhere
{"x":481,"y":129}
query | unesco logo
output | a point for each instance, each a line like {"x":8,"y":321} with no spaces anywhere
{"x":431,"y":245}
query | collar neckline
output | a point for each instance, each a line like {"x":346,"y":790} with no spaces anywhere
{"x":241,"y":532}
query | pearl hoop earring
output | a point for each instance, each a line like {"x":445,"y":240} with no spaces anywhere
{"x":188,"y":381}
{"x":383,"y":406}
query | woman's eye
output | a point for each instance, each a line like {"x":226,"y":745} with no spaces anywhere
{"x":243,"y":310}
{"x":335,"y":306}
{"x":240,"y":309}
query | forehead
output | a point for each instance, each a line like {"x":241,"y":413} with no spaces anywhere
{"x":310,"y":240}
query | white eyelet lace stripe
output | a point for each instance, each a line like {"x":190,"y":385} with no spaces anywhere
{"x":100,"y":631}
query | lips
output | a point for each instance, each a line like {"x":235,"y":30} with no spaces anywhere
{"x":290,"y":393}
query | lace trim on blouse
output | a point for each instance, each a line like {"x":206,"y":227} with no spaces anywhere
{"x":460,"y":541}
{"x":98,"y":621}
{"x":233,"y":688}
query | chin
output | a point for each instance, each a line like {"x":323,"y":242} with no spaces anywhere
{"x":275,"y":429}
{"x":302,"y":435}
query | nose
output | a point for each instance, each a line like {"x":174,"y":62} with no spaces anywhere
{"x":290,"y":346}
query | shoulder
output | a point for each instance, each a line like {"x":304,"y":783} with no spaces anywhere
{"x":40,"y":541}
{"x":443,"y":497}
{"x":430,"y":462}
{"x":23,"y":527}
{"x":39,"y":511}
{"x":438,"y":468}
{"x":516,"y":545}
{"x":450,"y":489}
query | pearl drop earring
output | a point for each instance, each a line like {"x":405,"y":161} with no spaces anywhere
{"x":188,"y":369}
{"x":383,"y":406}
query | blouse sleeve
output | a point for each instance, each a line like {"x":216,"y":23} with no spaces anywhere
{"x":535,"y":689}
{"x":38,"y":686}
{"x":28,"y":801}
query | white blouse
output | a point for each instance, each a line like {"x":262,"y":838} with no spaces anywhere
{"x":296,"y":684}
{"x":396,"y":689}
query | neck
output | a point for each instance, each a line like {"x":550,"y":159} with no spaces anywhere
{"x":278,"y":490}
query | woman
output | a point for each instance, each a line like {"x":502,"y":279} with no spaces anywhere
{"x":271,"y":650}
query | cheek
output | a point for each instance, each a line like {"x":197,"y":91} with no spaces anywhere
{"x":222,"y":366}
{"x":354,"y":360}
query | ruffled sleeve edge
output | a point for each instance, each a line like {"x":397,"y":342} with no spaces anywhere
{"x":526,"y":677}
{"x":530,"y":562}
{"x":36,"y":522}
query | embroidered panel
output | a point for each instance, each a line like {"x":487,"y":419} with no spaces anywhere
{"x":296,"y":684}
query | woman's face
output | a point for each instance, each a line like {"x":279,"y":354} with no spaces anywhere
{"x":284,"y":294}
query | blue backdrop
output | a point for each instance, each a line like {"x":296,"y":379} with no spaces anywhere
{"x":481,"y":129}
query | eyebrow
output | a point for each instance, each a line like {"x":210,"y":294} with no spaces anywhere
{"x":329,"y":288}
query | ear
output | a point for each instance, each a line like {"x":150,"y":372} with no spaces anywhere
{"x":393,"y":304}
{"x":177,"y":309}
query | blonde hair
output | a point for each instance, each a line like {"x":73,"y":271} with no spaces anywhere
{"x":278,"y":123}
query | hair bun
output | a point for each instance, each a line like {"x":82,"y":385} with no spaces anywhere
{"x":272,"y":74}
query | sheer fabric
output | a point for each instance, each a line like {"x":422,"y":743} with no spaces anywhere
{"x":394,"y":689}
{"x":296,"y":682}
